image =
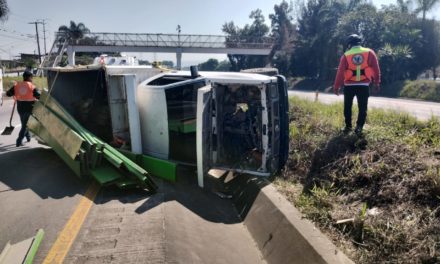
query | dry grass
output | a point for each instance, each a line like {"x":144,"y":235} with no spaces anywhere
{"x":387,"y":182}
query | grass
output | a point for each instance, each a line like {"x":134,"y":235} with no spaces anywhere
{"x":386,"y":184}
{"x":40,"y":82}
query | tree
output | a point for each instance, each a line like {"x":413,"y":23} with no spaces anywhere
{"x":167,"y":63}
{"x":254,"y":33}
{"x":4,"y":10}
{"x":431,"y":45}
{"x":75,"y":31}
{"x":283,"y":31}
{"x":316,"y":46}
{"x":395,"y":62}
{"x":366,"y":21}
{"x":215,"y":65}
{"x":403,"y":29}
{"x":436,"y":47}
{"x":424,"y":6}
{"x":144,"y":62}
{"x":30,"y":63}
{"x":88,"y":41}
{"x":209,"y":65}
{"x":224,"y":65}
{"x":407,"y":43}
{"x":85,"y":59}
{"x":403,"y":5}
{"x":429,"y":52}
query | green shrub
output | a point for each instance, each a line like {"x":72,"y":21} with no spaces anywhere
{"x":422,"y":89}
{"x":392,"y":89}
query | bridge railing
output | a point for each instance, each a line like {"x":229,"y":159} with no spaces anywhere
{"x":170,"y":40}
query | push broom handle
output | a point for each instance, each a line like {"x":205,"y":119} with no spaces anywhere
{"x":12,"y":114}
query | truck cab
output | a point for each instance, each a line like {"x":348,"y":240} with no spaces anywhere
{"x":216,"y":120}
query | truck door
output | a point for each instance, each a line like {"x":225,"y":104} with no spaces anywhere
{"x":284,"y":121}
{"x":203,"y":132}
{"x":278,"y":127}
{"x":123,"y":109}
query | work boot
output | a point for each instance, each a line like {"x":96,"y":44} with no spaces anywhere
{"x":358,"y":131}
{"x":18,"y":143}
{"x":346,"y":130}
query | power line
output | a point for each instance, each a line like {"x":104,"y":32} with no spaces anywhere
{"x":17,"y":33}
{"x":15,"y":43}
{"x":13,"y":37}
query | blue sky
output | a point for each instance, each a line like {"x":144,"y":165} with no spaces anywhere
{"x":131,"y":16}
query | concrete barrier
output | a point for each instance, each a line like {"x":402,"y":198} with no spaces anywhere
{"x":278,"y":228}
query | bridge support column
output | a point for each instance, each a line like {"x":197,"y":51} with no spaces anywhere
{"x":70,"y":56}
{"x":179,"y":59}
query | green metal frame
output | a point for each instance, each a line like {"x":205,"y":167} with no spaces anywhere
{"x":85,"y":153}
{"x":34,"y":248}
{"x":163,"y":169}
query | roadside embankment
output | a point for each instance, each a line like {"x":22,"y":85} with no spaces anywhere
{"x":278,"y":228}
{"x":378,"y":196}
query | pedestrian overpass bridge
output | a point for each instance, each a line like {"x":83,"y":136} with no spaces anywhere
{"x":162,"y":43}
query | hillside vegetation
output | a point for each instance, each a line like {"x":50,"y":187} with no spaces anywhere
{"x":422,"y":89}
{"x":376,"y":196}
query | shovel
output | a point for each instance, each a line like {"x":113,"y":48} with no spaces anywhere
{"x":8,"y":130}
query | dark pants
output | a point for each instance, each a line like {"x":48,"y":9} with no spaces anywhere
{"x":362,"y":93}
{"x":24,"y":117}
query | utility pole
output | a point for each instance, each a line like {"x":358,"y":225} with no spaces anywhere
{"x":38,"y":38}
{"x":43,"y":21}
{"x":179,"y":49}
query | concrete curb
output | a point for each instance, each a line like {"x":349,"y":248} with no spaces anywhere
{"x":278,"y":228}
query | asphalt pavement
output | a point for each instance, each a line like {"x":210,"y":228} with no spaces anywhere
{"x":37,"y":190}
{"x":420,"y":109}
{"x":182,"y":223}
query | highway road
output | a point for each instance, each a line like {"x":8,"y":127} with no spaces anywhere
{"x":37,"y":190}
{"x":180,"y":224}
{"x":420,"y":109}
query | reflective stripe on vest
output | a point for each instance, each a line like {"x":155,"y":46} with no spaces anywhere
{"x":358,"y":68}
{"x":24,"y":91}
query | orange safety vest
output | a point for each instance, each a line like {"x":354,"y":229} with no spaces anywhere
{"x":358,"y":68}
{"x":24,"y":91}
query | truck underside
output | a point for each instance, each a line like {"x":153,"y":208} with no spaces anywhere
{"x":238,"y":122}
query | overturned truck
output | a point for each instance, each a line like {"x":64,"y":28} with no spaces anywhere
{"x":231,"y":121}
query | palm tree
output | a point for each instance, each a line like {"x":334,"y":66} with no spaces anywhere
{"x":424,"y":6}
{"x":4,"y":10}
{"x":74,"y":31}
{"x":404,"y":5}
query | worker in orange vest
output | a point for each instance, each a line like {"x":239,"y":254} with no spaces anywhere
{"x":358,"y":68}
{"x":25,"y":93}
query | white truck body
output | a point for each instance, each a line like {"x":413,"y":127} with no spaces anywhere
{"x":223,"y":120}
